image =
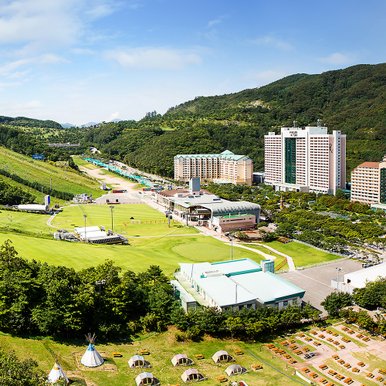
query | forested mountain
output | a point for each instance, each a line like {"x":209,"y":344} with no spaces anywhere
{"x":352,"y":100}
{"x":29,"y":122}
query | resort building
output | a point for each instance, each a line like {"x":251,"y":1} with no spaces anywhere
{"x":206,"y":209}
{"x":237,"y":284}
{"x":226,"y":167}
{"x":368,"y":183}
{"x":305,"y":159}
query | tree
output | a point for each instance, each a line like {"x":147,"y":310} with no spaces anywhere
{"x":19,"y":373}
{"x":334,"y":302}
{"x":373,"y":295}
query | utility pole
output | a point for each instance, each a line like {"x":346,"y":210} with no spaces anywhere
{"x":112,"y":218}
{"x":85,"y":227}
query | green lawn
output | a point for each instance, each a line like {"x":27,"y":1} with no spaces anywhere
{"x":162,"y":348}
{"x":65,"y":180}
{"x":165,"y":251}
{"x":129,"y":220}
{"x":151,"y":240}
{"x":303,"y":255}
{"x":279,"y":260}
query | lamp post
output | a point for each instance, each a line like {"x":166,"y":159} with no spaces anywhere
{"x":112,"y":218}
{"x":338,"y":269}
{"x":230,"y":237}
{"x":85,"y":227}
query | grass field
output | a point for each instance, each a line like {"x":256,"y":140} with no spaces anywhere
{"x":151,"y":240}
{"x":302,"y":254}
{"x":162,"y":348}
{"x":65,"y":180}
{"x":19,"y":222}
{"x":280,"y":261}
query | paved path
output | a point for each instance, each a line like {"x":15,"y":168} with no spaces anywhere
{"x":50,"y":219}
{"x":290,"y":261}
{"x":265,"y":255}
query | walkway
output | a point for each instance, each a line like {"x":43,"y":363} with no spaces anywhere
{"x":290,"y":261}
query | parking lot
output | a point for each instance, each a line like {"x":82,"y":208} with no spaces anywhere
{"x":317,"y":280}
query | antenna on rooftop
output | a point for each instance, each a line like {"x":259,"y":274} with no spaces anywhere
{"x":295,"y":123}
{"x":319,"y":123}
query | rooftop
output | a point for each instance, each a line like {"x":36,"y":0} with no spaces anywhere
{"x":224,"y":155}
{"x":374,"y":165}
{"x":239,"y":281}
{"x":360,"y":278}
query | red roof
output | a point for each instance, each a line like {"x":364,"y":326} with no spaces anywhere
{"x":374,"y":165}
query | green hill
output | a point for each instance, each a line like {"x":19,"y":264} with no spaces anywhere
{"x":352,"y":100}
{"x":29,"y":122}
{"x":39,"y":178}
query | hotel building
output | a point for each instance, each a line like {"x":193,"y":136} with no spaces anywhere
{"x":226,"y":167}
{"x":305,"y":159}
{"x":368,"y":183}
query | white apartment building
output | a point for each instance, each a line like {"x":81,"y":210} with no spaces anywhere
{"x":368,"y":183}
{"x":305,"y":159}
{"x":225,"y":167}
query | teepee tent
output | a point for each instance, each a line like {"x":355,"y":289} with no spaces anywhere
{"x":57,"y":374}
{"x":91,"y":358}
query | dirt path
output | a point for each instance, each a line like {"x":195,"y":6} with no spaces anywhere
{"x":115,"y":181}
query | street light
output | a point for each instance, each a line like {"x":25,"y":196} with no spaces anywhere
{"x":112,"y":218}
{"x":230,"y":237}
{"x":85,"y":227}
{"x":338,"y":269}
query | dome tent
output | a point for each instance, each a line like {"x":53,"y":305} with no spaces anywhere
{"x":181,"y":359}
{"x":138,"y":361}
{"x":147,"y":379}
{"x":57,"y":374}
{"x":222,"y":356}
{"x":91,"y":358}
{"x":235,"y":370}
{"x":191,"y":375}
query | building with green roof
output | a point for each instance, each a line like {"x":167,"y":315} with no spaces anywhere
{"x":225,"y":167}
{"x":237,"y":284}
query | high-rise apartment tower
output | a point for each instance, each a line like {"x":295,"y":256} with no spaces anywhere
{"x":305,"y":159}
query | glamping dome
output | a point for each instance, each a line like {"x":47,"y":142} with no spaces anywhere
{"x":222,"y":356}
{"x":181,"y":360}
{"x":138,"y":361}
{"x":146,"y":379}
{"x":192,"y":375}
{"x":235,"y":370}
{"x":57,"y":374}
{"x":91,"y":358}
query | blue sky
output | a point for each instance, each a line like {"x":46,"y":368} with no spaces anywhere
{"x":93,"y":60}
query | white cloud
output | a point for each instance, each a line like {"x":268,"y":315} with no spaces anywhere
{"x":337,"y":58}
{"x":271,"y":41}
{"x":154,"y":58}
{"x":51,"y":59}
{"x":102,"y":8}
{"x":39,"y":21}
{"x":213,"y":22}
{"x":113,"y":116}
